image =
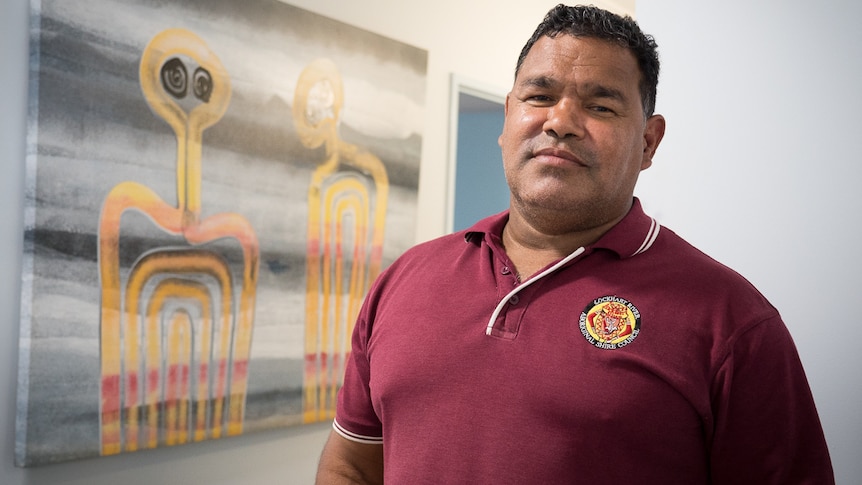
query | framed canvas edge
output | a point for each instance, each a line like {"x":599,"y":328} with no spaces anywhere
{"x":22,"y":386}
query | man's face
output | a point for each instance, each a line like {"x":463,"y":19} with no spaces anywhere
{"x":575,"y":136}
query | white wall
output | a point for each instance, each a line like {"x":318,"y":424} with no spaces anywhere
{"x":761,"y":168}
{"x":479,"y":40}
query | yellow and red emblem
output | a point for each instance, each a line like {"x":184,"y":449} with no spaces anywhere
{"x":610,"y":322}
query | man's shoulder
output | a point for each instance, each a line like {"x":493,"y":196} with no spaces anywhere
{"x":695,"y":270}
{"x":434,"y":247}
{"x":444,"y":247}
{"x":434,"y":253}
{"x":680,"y":253}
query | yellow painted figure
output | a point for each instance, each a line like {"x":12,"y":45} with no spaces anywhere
{"x":175,"y":339}
{"x":346,"y":216}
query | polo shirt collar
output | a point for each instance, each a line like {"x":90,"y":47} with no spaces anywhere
{"x":633,"y":235}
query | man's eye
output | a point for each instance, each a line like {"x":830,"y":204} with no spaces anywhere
{"x":601,"y":109}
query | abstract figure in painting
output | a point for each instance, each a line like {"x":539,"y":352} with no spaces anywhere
{"x":175,"y":336}
{"x":346,"y":217}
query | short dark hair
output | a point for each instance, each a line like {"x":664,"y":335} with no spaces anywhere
{"x":593,"y":22}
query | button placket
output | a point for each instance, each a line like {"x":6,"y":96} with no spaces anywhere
{"x":506,"y":271}
{"x":506,"y":318}
{"x":513,"y":314}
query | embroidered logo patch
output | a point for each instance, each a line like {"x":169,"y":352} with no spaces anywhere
{"x":610,"y":322}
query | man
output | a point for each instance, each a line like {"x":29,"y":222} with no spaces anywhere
{"x":571,"y":339}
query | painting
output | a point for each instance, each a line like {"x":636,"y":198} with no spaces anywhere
{"x":211,"y":187}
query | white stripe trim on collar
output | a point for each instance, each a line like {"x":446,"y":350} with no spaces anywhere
{"x":651,"y":236}
{"x":527,"y":283}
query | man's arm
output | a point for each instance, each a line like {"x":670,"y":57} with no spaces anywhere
{"x":346,"y":462}
{"x":767,"y":430}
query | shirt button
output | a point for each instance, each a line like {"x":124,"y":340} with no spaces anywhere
{"x":506,"y":270}
{"x":514,"y":300}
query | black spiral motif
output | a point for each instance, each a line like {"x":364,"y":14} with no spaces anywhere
{"x":203,"y":84}
{"x":175,"y":78}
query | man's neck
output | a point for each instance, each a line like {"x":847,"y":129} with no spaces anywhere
{"x":531,"y":247}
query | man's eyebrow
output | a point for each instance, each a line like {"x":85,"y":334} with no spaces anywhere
{"x":544,"y":82}
{"x":603,"y":92}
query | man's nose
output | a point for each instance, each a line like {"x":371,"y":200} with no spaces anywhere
{"x":565,"y":119}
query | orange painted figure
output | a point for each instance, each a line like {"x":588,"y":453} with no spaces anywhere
{"x":346,"y":216}
{"x":175,"y":332}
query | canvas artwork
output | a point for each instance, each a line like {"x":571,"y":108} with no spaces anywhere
{"x":211,"y":188}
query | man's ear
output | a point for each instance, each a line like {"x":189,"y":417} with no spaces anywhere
{"x":505,"y":113}
{"x":653,"y":133}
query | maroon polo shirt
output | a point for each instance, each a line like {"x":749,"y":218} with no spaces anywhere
{"x":638,"y":359}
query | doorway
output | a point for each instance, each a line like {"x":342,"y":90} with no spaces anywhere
{"x":477,"y":186}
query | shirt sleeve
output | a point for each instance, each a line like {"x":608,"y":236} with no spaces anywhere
{"x":355,"y":418}
{"x":767,"y":430}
